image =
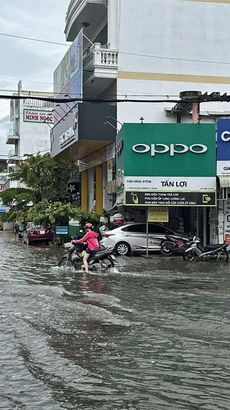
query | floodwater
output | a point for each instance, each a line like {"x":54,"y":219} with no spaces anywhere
{"x":152,"y":334}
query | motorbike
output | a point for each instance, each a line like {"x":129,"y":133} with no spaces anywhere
{"x":176,"y":245}
{"x":209,"y":252}
{"x":100,"y":259}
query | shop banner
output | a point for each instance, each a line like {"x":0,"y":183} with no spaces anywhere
{"x":168,"y":150}
{"x":170,"y":183}
{"x":138,"y":198}
{"x":167,"y":164}
{"x":68,"y":78}
{"x":223,"y":147}
{"x":38,"y":116}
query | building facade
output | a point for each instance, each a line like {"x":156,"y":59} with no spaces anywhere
{"x":31,"y":120}
{"x":141,"y":51}
{"x":169,"y":169}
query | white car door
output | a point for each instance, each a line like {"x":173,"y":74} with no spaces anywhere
{"x":135,"y":235}
{"x":156,"y":235}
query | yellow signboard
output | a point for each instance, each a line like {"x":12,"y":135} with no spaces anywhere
{"x":158,"y":214}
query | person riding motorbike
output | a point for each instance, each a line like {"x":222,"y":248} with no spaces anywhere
{"x":92,"y":243}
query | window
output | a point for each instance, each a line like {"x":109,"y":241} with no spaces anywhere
{"x":158,"y":229}
{"x":140,"y":228}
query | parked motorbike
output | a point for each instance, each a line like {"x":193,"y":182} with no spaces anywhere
{"x":176,"y":245}
{"x":100,"y":259}
{"x":209,"y":252}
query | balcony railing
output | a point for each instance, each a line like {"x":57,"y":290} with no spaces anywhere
{"x":102,"y":60}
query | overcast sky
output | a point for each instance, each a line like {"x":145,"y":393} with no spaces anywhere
{"x":29,"y":61}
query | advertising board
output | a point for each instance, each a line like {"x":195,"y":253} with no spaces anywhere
{"x":170,"y":198}
{"x":38,"y":116}
{"x":158,"y":214}
{"x":167,"y":164}
{"x":68,"y":76}
{"x":223,"y":147}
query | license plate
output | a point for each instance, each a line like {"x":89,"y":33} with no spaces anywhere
{"x":42,"y":231}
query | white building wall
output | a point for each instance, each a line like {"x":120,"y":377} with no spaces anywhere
{"x":34,"y":137}
{"x":170,"y":46}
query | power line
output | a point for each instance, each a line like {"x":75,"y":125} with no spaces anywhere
{"x":175,"y":58}
{"x":34,"y":39}
{"x":121,"y":93}
{"x":28,"y":81}
{"x":91,"y":100}
{"x":200,"y":99}
{"x":121,"y":52}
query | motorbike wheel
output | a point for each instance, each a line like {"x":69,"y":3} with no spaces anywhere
{"x":165,"y":250}
{"x":65,"y":262}
{"x":189,"y":256}
{"x":222,"y":256}
{"x":107,"y":262}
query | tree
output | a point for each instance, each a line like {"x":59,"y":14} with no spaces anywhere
{"x":48,"y":177}
{"x":17,"y":197}
{"x":57,"y":213}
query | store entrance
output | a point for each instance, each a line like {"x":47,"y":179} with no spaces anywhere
{"x":188,"y":220}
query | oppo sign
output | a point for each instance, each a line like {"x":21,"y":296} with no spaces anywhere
{"x":172,"y":149}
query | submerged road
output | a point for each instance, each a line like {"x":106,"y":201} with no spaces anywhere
{"x":153,"y":334}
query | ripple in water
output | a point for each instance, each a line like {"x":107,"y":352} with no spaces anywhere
{"x":151,"y":334}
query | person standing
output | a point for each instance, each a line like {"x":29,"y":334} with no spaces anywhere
{"x":91,"y":237}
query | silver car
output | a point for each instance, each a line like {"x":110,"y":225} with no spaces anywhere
{"x":132,"y":237}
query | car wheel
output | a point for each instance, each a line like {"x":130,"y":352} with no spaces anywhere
{"x":122,"y":248}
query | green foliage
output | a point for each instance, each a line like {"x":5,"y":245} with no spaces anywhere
{"x":91,"y":217}
{"x":55,"y":213}
{"x":4,"y":217}
{"x":17,"y":197}
{"x":48,"y":177}
{"x":12,"y":215}
{"x":58,"y":214}
{"x":47,"y":180}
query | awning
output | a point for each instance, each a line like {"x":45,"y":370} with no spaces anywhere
{"x":224,"y":181}
{"x":113,"y":209}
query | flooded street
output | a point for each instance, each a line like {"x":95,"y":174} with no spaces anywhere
{"x":153,"y":334}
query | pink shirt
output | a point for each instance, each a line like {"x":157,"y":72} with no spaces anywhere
{"x":91,"y":239}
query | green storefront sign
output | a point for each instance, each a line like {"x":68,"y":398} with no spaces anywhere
{"x":170,"y":198}
{"x":168,"y":150}
{"x":167,"y":157}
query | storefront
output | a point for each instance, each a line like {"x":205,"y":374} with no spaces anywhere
{"x":168,"y":166}
{"x":222,"y":220}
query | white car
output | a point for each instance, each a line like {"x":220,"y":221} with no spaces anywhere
{"x":132,"y":237}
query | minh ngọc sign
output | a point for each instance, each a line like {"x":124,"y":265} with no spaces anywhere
{"x":38,"y":116}
{"x":168,"y":158}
